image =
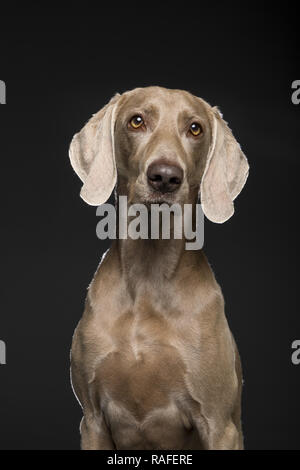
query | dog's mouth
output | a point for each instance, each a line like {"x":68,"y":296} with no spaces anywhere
{"x":159,"y":198}
{"x":144,"y":194}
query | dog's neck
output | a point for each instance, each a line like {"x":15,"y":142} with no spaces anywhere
{"x":154,"y":261}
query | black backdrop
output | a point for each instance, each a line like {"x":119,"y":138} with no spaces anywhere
{"x":59,"y":69}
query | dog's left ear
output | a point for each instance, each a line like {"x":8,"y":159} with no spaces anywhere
{"x":92,"y":155}
{"x":225,"y":173}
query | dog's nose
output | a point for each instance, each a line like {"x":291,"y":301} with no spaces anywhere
{"x":164,"y":177}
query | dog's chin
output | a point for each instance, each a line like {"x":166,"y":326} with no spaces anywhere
{"x":158,"y":198}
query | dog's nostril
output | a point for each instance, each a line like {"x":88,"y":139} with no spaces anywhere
{"x":155,"y":178}
{"x":175,"y":180}
{"x":164,"y":177}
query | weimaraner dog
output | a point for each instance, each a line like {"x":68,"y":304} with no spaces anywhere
{"x":153,"y":363}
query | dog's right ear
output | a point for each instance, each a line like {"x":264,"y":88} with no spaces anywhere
{"x":225,"y":173}
{"x":92,"y":155}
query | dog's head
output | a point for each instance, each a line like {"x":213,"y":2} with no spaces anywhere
{"x":162,"y":146}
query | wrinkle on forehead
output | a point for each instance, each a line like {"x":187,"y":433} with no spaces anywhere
{"x":155,"y":100}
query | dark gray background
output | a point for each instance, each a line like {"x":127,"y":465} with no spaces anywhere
{"x":59,"y":69}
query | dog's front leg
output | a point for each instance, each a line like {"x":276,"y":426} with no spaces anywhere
{"x":94,"y":434}
{"x":220,"y":436}
{"x":229,"y":439}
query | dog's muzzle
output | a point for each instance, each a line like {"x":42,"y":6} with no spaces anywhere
{"x":164,"y":177}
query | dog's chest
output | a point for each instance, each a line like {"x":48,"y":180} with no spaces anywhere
{"x":141,"y":398}
{"x":141,"y":382}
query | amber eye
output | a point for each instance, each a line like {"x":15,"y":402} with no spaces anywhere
{"x":136,"y":122}
{"x":195,"y":129}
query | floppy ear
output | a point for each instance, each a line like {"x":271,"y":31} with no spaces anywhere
{"x":225,"y":173}
{"x":92,"y":155}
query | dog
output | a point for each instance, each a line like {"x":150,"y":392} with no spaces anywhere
{"x":153,"y":362}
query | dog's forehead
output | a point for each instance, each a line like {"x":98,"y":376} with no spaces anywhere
{"x":163,"y":99}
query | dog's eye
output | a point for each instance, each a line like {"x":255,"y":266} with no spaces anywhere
{"x":136,"y":122}
{"x":195,"y":129}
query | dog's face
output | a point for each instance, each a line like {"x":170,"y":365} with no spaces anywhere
{"x":160,"y":145}
{"x":162,"y":139}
